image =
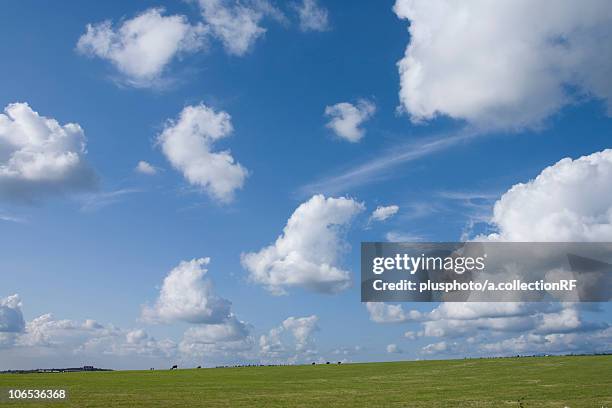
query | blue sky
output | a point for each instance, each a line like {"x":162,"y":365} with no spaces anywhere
{"x":101,"y":250}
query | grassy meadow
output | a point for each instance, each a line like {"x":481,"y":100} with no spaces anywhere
{"x":581,"y":381}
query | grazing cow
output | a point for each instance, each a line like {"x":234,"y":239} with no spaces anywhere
{"x":327,"y":362}
{"x":313,"y":363}
{"x":174,"y":367}
{"x":199,"y":366}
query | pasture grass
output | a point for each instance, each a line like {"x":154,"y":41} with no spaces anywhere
{"x":572,"y":381}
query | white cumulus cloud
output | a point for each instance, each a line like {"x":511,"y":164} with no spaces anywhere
{"x":308,"y":252}
{"x":532,"y":328}
{"x":219,"y":339}
{"x":48,"y":331}
{"x":568,"y":201}
{"x":231,"y":329}
{"x":385,"y":313}
{"x":187,"y":143}
{"x":301,"y":329}
{"x":237,"y":24}
{"x":11,"y":317}
{"x":504,"y":64}
{"x":47,"y":340}
{"x":144,"y":167}
{"x":142,"y":47}
{"x":39,"y":157}
{"x":346,"y":119}
{"x":393,"y":349}
{"x":90,"y":339}
{"x":271,"y":344}
{"x":480,"y":324}
{"x":187,"y":295}
{"x":435,"y":348}
{"x":382,"y":213}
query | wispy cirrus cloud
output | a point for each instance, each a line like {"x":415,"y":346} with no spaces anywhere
{"x":379,"y":166}
{"x":10,"y":218}
{"x":97,"y":201}
{"x":312,"y":16}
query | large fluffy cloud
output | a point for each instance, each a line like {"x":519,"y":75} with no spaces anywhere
{"x":504,"y":64}
{"x":301,"y":330}
{"x":271,"y":344}
{"x":346,"y":119}
{"x":568,"y":201}
{"x":188,"y":143}
{"x":237,"y":24}
{"x":230,"y":330}
{"x":11,"y":317}
{"x":214,"y":340}
{"x":307,"y":253}
{"x":38,"y":156}
{"x":187,"y":295}
{"x":141,"y":48}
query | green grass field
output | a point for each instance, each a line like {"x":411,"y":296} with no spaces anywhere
{"x":511,"y":382}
